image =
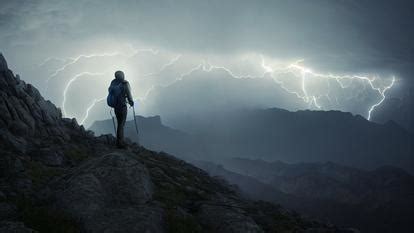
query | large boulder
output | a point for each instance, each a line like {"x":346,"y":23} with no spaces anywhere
{"x":112,"y":193}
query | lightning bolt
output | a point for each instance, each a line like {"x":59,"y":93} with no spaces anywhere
{"x":136,"y":51}
{"x":69,"y":84}
{"x":49,"y":59}
{"x":165,"y":66}
{"x":73,"y":61}
{"x":306,"y":73}
{"x":382,"y":93}
{"x":296,"y":68}
{"x":197,"y":67}
{"x":76,"y":59}
{"x":94,"y":102}
{"x":201,"y":66}
{"x":208,"y":67}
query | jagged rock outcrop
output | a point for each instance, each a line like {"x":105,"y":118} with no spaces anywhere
{"x":25,"y":115}
{"x":3,"y":63}
{"x":57,"y":177}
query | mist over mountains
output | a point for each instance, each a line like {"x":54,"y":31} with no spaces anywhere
{"x":276,"y":134}
{"x":331,"y":166}
{"x":401,"y":110}
{"x":372,"y":201}
{"x":215,"y":92}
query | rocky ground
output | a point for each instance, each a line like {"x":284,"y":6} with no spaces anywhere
{"x":57,"y":177}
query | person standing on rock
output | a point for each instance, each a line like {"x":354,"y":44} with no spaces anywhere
{"x":119,"y":95}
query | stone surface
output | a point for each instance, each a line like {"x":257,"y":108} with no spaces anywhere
{"x":8,"y":211}
{"x":48,"y":156}
{"x":227,"y":219}
{"x":14,"y":227}
{"x":111,"y":193}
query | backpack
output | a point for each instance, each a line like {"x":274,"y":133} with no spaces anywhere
{"x":115,"y":96}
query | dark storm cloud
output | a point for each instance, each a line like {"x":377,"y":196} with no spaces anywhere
{"x":344,"y":36}
{"x":372,"y":29}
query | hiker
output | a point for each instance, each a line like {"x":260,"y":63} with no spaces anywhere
{"x":119,"y":94}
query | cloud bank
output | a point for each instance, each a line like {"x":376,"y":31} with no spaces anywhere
{"x":70,"y":50}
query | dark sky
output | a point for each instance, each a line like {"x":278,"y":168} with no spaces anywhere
{"x":341,"y":37}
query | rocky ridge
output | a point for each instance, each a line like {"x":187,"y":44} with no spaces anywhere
{"x":57,"y":177}
{"x":372,"y":201}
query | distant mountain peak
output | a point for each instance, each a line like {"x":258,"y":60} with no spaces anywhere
{"x":3,"y":63}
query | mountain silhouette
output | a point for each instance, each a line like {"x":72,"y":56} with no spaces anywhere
{"x":400,"y":109}
{"x":276,"y":134}
{"x":372,"y":201}
{"x":306,"y":136}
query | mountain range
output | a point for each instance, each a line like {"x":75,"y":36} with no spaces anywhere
{"x":369,"y":188}
{"x":372,"y":201}
{"x":276,"y":134}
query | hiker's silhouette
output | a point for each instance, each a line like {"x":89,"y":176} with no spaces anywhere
{"x":119,"y":95}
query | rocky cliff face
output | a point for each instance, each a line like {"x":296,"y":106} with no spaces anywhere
{"x":26,"y":118}
{"x":57,"y":177}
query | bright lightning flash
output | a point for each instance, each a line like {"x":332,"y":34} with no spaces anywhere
{"x":76,"y":77}
{"x":306,"y":73}
{"x":296,"y":69}
{"x":73,"y":61}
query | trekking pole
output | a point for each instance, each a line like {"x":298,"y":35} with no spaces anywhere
{"x":113,"y":120}
{"x":135,"y":121}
